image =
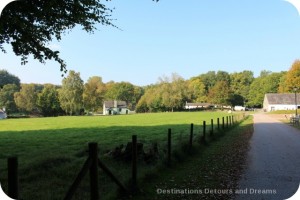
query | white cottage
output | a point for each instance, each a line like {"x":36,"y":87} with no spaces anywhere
{"x":115,"y":108}
{"x":192,"y":106}
{"x":2,"y":114}
{"x":274,"y":102}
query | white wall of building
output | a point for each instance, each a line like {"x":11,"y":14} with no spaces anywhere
{"x":279,"y":107}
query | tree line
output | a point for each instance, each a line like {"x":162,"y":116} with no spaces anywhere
{"x":170,"y":93}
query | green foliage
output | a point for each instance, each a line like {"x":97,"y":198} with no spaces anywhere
{"x":93,"y":94}
{"x":7,"y":78}
{"x":7,"y":97}
{"x":267,"y":82}
{"x":173,"y":92}
{"x":48,"y":101}
{"x":70,"y":94}
{"x":240,"y":86}
{"x":26,"y":98}
{"x":220,"y":94}
{"x":196,"y":90}
{"x":124,"y":91}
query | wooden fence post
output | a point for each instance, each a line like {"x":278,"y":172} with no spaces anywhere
{"x":218,"y":122}
{"x":226,"y":121}
{"x":223,"y":123}
{"x":204,"y":131}
{"x":229,"y":121}
{"x":93,"y":153}
{"x":212,"y":127}
{"x":13,"y":180}
{"x":134,"y":164}
{"x":169,"y":146}
{"x":191,"y":135}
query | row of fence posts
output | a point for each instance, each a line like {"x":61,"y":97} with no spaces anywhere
{"x":93,"y":163}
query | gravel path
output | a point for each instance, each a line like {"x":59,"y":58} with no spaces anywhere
{"x":273,"y":161}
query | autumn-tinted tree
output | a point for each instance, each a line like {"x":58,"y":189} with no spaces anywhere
{"x":48,"y":102}
{"x":220,"y":94}
{"x":26,"y":98}
{"x":70,"y":94}
{"x":173,"y":92}
{"x":196,"y":90}
{"x":93,"y":94}
{"x":8,"y":78}
{"x":7,"y":97}
{"x":151,"y":101}
{"x":292,"y":79}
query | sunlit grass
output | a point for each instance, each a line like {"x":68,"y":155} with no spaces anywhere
{"x":51,"y":151}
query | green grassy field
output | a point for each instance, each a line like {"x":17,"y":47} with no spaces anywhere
{"x":51,"y":151}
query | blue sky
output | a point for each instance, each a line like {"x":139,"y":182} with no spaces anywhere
{"x":188,"y":37}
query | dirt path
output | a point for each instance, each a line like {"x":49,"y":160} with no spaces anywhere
{"x":273,"y":161}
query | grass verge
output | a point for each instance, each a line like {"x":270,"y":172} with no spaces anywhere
{"x":212,"y":172}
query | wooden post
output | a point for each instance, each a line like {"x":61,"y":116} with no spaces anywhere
{"x":204,"y":131}
{"x":191,"y":135}
{"x":232,"y":117}
{"x":87,"y":165}
{"x":134,"y":164}
{"x":212,"y":127}
{"x":223,"y":123}
{"x":218,"y":121}
{"x":112,"y":176}
{"x":93,"y":154}
{"x":169,"y":147}
{"x":229,"y":121}
{"x":226,"y":121}
{"x":13,"y":180}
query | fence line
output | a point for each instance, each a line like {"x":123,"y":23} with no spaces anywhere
{"x":93,"y":163}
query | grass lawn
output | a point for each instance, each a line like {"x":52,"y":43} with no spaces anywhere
{"x":51,"y":151}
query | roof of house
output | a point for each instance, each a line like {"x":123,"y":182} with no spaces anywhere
{"x":1,"y":111}
{"x":111,"y":104}
{"x":282,"y":99}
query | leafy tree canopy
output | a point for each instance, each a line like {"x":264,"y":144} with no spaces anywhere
{"x":7,"y":97}
{"x":292,"y":79}
{"x":7,"y":78}
{"x":70,"y":94}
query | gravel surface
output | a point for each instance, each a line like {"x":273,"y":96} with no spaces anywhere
{"x":273,"y":161}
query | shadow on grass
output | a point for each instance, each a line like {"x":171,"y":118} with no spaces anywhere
{"x":49,"y":160}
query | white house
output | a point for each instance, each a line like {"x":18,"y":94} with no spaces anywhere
{"x":115,"y":108}
{"x":2,"y":114}
{"x":192,"y":106}
{"x":274,"y":102}
{"x":239,"y":108}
